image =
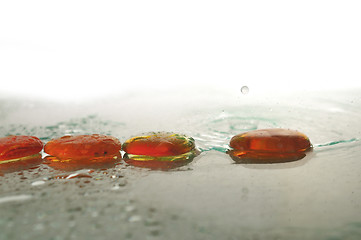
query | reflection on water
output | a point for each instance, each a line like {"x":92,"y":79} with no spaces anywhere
{"x":160,"y":163}
{"x":91,"y":163}
{"x":15,"y":165}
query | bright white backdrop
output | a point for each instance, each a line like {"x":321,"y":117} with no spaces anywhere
{"x":82,"y":49}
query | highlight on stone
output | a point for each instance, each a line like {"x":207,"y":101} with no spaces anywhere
{"x":159,"y":150}
{"x":269,"y":146}
{"x":14,"y":148}
{"x":83,"y":147}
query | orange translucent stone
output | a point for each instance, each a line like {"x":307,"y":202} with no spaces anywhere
{"x":83,"y":147}
{"x":159,"y":144}
{"x":269,"y":146}
{"x":13,"y":147}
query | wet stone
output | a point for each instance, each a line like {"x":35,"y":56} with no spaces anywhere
{"x":269,"y":146}
{"x":83,"y":147}
{"x":159,"y":144}
{"x":13,"y":147}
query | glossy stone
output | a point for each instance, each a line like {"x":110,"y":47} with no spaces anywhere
{"x":13,"y":147}
{"x":159,"y":144}
{"x":269,"y":146}
{"x":83,"y":147}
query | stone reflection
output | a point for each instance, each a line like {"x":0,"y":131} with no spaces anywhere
{"x":19,"y":164}
{"x":160,"y":163}
{"x":68,"y":165}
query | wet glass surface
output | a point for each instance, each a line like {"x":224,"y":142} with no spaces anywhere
{"x":209,"y":197}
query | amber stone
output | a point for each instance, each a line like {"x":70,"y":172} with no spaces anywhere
{"x":83,"y":147}
{"x":159,"y":144}
{"x":269,"y":146}
{"x":13,"y":147}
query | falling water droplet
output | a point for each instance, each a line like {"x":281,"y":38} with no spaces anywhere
{"x":244,"y":89}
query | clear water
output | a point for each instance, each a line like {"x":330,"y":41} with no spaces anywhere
{"x":317,"y":197}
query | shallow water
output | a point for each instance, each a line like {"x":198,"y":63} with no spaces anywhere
{"x":317,"y":197}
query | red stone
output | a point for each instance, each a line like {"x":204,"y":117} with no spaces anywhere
{"x":269,"y":145}
{"x":13,"y":147}
{"x":159,"y":144}
{"x":83,"y":147}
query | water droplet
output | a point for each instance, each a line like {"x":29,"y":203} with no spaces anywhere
{"x":135,"y":218}
{"x":37,"y":183}
{"x":118,"y":175}
{"x":245,"y":90}
{"x":130,"y":208}
{"x":15,"y":198}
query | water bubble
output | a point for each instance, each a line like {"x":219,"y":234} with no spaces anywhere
{"x":244,"y":89}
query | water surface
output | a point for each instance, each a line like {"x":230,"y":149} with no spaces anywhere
{"x":210,"y":198}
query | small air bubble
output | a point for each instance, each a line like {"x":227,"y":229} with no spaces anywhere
{"x":244,"y":89}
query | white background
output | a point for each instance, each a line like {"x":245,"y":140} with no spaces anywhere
{"x":82,"y":49}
